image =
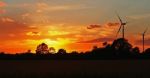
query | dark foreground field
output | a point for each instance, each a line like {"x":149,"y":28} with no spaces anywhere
{"x":75,"y":69}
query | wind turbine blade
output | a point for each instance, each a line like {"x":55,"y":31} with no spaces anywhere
{"x":119,"y":30}
{"x":119,"y":18}
{"x":145,"y":31}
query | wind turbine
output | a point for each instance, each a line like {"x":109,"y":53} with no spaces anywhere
{"x":122,"y":24}
{"x":143,"y":37}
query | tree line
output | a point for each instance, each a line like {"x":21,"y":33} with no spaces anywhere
{"x":119,"y":49}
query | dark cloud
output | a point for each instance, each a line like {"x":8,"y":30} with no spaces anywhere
{"x":94,"y":26}
{"x":112,"y":24}
{"x":97,"y":40}
{"x":35,"y":32}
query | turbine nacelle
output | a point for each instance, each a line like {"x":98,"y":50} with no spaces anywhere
{"x":145,"y":31}
{"x":122,"y":24}
{"x":143,"y":34}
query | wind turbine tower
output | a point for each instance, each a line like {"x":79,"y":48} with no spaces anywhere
{"x":143,"y":39}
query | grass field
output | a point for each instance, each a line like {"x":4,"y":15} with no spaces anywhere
{"x":75,"y":68}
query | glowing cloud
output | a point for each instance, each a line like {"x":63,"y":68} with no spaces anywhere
{"x":62,"y":24}
{"x":56,"y":33}
{"x":7,"y":19}
{"x":33,"y":33}
{"x":2,"y":4}
{"x":105,"y":30}
{"x":2,"y":11}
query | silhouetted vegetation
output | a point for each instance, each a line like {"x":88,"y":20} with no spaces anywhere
{"x":119,"y":49}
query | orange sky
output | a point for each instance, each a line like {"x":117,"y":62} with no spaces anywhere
{"x":72,"y":25}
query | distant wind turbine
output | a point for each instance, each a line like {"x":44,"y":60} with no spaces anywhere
{"x":122,"y":24}
{"x":143,"y":37}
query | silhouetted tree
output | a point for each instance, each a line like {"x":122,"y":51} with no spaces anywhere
{"x":74,"y":53}
{"x":42,"y":49}
{"x":105,"y":44}
{"x":147,"y":51}
{"x":29,"y":51}
{"x":61,"y":51}
{"x":95,"y":47}
{"x":2,"y":53}
{"x":122,"y":46}
{"x":119,"y":49}
{"x":136,"y":51}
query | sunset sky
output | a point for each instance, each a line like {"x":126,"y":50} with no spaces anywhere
{"x":64,"y":23}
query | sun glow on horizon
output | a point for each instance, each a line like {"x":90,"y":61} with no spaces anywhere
{"x":57,"y":44}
